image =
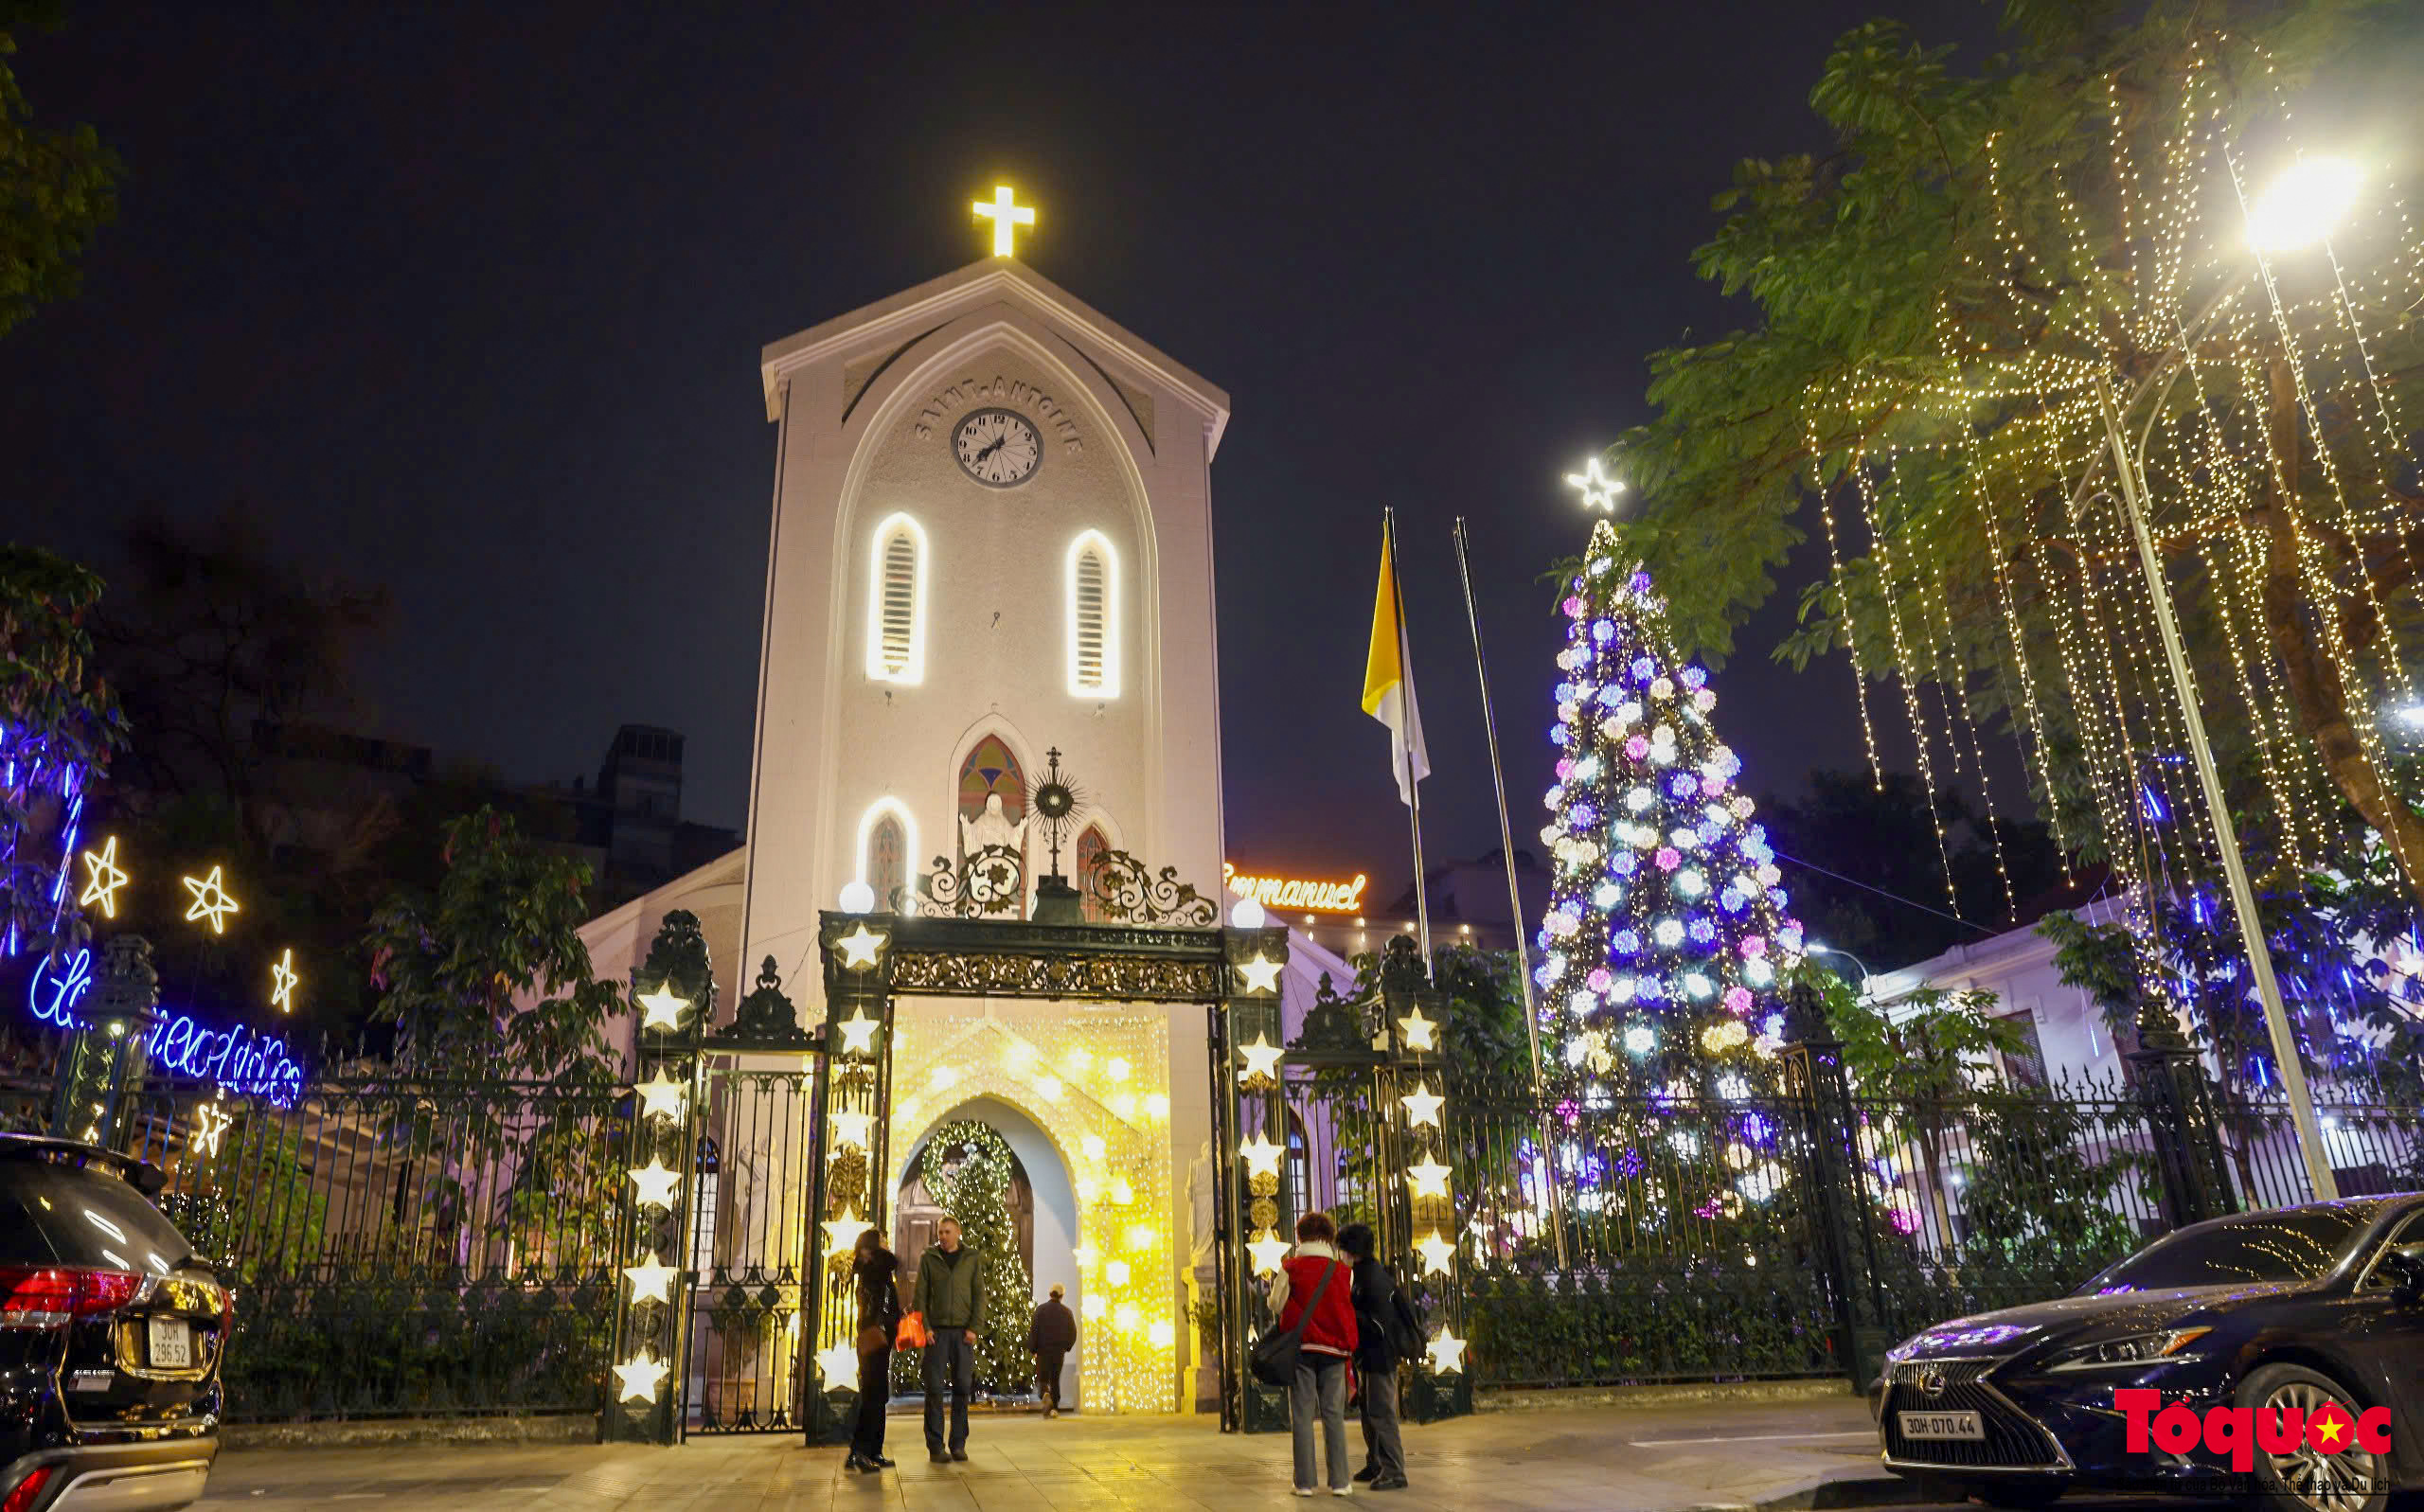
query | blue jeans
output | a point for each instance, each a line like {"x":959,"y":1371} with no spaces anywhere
{"x":1321,"y":1386}
{"x":951,"y":1358}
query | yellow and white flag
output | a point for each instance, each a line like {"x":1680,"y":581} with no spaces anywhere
{"x":1389,"y":683}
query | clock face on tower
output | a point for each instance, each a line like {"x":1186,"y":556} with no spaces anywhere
{"x":998,"y":448}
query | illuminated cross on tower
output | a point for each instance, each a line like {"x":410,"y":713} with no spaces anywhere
{"x":1007,"y":218}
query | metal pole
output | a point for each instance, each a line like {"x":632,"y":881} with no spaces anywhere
{"x":1514,"y":900}
{"x":1413,"y":787}
{"x":2250,"y":929}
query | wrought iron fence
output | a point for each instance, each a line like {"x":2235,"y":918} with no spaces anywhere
{"x":1717,"y":1237}
{"x":401,"y":1247}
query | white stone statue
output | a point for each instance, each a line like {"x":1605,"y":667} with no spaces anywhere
{"x":993,"y":827}
{"x":1202,"y":1196}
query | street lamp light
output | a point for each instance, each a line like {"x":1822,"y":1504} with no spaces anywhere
{"x":1866,"y":976}
{"x":2297,"y":210}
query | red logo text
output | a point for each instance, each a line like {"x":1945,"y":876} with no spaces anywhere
{"x":2240,"y":1431}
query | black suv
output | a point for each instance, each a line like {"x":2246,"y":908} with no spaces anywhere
{"x":110,"y":1336}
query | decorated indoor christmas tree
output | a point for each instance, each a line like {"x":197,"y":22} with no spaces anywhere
{"x":968,"y":1169}
{"x":1666,"y":941}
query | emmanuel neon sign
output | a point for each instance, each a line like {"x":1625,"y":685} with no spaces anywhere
{"x":242,"y":1061}
{"x":1296,"y":895}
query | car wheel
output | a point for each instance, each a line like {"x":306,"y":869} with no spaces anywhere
{"x":2017,"y":1494}
{"x":2350,"y":1481}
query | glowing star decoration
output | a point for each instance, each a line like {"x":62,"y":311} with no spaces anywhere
{"x":663,"y":1098}
{"x":1422,"y":1106}
{"x":211,"y":900}
{"x":105,"y":879}
{"x":641,"y":1378}
{"x":1262,"y":1156}
{"x":650,"y":1282}
{"x":211,"y":1120}
{"x":1430,"y":1178}
{"x":851,"y":1128}
{"x":283,"y":980}
{"x":1261,"y":973}
{"x":859,"y":948}
{"x":655,"y":1183}
{"x":1420,"y":1032}
{"x":1267,"y":1252}
{"x":840,"y":1234}
{"x":858,"y":1033}
{"x":1437,"y":1252}
{"x":838,"y":1364}
{"x":1262,"y":1058}
{"x":1007,"y":218}
{"x":1447,"y":1354}
{"x":662,"y":1008}
{"x":1598,"y":488}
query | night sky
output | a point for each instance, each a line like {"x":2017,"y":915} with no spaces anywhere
{"x":469,"y":303}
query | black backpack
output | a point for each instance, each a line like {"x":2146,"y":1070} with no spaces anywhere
{"x":1404,"y":1322}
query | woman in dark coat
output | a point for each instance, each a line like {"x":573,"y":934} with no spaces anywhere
{"x":875,"y":1273}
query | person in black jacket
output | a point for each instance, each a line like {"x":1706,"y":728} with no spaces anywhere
{"x":876,"y":1274}
{"x":1050,"y":1338}
{"x":1377,"y":1337}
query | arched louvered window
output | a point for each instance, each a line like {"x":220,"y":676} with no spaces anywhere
{"x":897,"y":602}
{"x":1094,"y":617}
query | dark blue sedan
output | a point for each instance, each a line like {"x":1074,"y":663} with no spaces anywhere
{"x":2316,"y":1309}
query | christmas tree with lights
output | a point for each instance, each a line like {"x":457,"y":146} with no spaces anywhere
{"x":1666,"y":941}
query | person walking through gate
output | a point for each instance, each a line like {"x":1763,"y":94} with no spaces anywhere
{"x":875,"y":1273}
{"x":950,"y":1294}
{"x":1050,"y":1338}
{"x":1382,"y":1329}
{"x":1329,"y":1343}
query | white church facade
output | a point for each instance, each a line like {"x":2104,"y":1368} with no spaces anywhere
{"x":991,"y":545}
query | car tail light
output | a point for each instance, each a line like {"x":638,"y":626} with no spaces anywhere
{"x":47,"y":1296}
{"x":25,"y":1492}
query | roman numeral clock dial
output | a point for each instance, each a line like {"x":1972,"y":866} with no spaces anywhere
{"x":997,"y":447}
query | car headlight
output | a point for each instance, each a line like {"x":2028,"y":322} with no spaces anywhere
{"x":2136,"y":1349}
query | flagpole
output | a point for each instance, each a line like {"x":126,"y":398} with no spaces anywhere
{"x":1413,"y":785}
{"x":1514,"y":899}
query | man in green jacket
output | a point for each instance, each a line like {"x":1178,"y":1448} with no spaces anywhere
{"x":950,"y":1292}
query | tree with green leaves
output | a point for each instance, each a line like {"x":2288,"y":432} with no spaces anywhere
{"x":58,"y":183}
{"x":1944,"y":303}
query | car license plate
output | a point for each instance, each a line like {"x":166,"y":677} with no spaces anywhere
{"x":172,"y":1342}
{"x":1942,"y":1425}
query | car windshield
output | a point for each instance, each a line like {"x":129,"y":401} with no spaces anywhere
{"x":2300,"y":1245}
{"x":52,"y":1214}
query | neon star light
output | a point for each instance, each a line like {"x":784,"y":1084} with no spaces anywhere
{"x":212,"y":899}
{"x":641,"y":1377}
{"x":1437,"y":1252}
{"x":650,"y":1281}
{"x":1267,"y":1252}
{"x":851,"y":1128}
{"x":655,"y":1183}
{"x":283,"y":981}
{"x":663,"y":1097}
{"x":858,"y":1033}
{"x":1262,"y":1058}
{"x":1598,"y":488}
{"x":1430,"y":1178}
{"x":105,"y":879}
{"x":1007,"y":219}
{"x":1420,"y":1032}
{"x":1261,"y":973}
{"x":837,"y":1364}
{"x":1447,"y":1354}
{"x":1422,"y":1106}
{"x":1262,"y":1156}
{"x":211,"y":1120}
{"x":840,"y":1234}
{"x":858,"y":946}
{"x":662,"y":1008}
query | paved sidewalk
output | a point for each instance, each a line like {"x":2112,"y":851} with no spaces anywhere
{"x":1652,"y":1459}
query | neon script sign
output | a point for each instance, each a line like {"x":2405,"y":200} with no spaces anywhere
{"x":239,"y":1061}
{"x":1297,"y":895}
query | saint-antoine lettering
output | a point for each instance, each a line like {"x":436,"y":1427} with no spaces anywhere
{"x":1050,"y":414}
{"x":2240,"y":1431}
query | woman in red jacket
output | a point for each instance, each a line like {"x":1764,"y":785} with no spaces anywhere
{"x":1329,"y":1344}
